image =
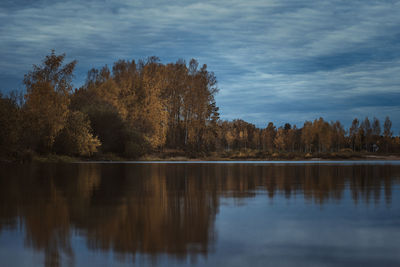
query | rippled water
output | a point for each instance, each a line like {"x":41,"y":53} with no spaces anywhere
{"x":205,"y":214}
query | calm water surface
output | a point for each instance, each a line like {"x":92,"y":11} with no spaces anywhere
{"x":204,"y":214}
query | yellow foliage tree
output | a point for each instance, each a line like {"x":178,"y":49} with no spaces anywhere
{"x":47,"y":98}
{"x":76,"y":137}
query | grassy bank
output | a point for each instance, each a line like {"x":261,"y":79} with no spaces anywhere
{"x":214,"y":156}
{"x":276,"y":156}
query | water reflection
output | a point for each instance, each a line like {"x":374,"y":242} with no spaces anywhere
{"x":161,"y":209}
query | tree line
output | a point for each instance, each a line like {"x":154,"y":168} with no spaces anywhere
{"x":142,"y":107}
{"x":318,"y":136}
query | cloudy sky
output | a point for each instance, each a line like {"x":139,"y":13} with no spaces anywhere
{"x":280,"y":61}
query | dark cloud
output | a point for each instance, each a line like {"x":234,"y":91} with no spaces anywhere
{"x":275,"y":60}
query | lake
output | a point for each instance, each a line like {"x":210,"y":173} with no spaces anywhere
{"x":201,"y":214}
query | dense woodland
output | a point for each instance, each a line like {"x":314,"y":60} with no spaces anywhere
{"x":145,"y":107}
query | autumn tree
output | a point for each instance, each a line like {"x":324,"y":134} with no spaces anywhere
{"x":174,"y":92}
{"x":321,"y":135}
{"x":198,"y":103}
{"x":47,"y":98}
{"x":294,"y":138}
{"x":338,"y":135}
{"x":387,"y":132}
{"x":268,"y":136}
{"x":111,"y":110}
{"x":307,"y":136}
{"x":353,"y":133}
{"x":367,"y":130}
{"x":76,"y":137}
{"x":279,"y":140}
{"x":290,"y":136}
{"x":376,"y":132}
{"x":151,"y":117}
{"x":227,"y":134}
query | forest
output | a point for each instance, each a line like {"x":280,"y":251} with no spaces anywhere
{"x":146,"y":107}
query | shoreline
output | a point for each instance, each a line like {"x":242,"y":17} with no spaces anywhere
{"x":53,"y":158}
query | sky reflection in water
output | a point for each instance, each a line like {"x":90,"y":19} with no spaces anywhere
{"x":235,"y":214}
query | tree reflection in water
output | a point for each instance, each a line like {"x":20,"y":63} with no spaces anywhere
{"x":155,"y":209}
